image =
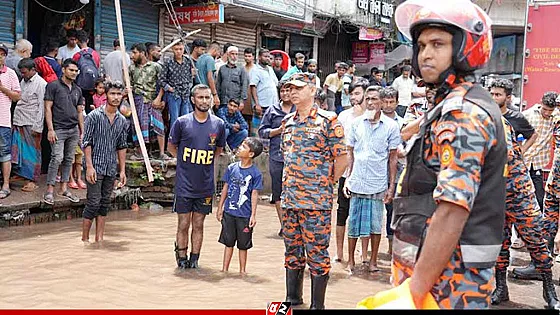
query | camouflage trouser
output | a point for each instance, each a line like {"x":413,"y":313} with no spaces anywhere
{"x":550,"y":221}
{"x":524,"y":213}
{"x":307,"y":232}
{"x":458,"y":287}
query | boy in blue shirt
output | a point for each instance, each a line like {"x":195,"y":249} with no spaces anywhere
{"x":236,"y":126}
{"x":238,"y":206}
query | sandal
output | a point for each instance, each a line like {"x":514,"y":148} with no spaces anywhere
{"x":69,"y":196}
{"x":29,"y":187}
{"x":48,"y":198}
{"x":165,"y":157}
{"x":4,"y":193}
{"x":82,"y":185}
{"x":73,"y":185}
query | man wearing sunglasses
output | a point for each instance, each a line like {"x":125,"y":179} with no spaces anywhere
{"x":314,"y":159}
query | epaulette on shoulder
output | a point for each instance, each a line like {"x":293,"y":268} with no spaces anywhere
{"x":289,"y":116}
{"x":454,"y":103}
{"x":327,"y":114}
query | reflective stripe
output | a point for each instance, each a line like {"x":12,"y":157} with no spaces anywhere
{"x":405,"y":252}
{"x":480,"y":253}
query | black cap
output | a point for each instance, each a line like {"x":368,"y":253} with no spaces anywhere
{"x":4,"y":48}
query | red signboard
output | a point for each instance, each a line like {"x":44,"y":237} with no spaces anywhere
{"x":200,"y":14}
{"x":377,"y":54}
{"x":360,"y":52}
{"x":542,"y":67}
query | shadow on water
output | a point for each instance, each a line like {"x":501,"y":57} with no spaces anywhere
{"x":74,"y":225}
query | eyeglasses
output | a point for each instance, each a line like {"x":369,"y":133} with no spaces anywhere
{"x":306,"y":77}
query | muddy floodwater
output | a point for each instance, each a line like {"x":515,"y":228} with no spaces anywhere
{"x":48,"y":266}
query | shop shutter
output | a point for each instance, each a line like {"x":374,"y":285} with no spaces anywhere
{"x":7,"y":22}
{"x":239,"y":34}
{"x":140,"y":23}
{"x":170,"y":31}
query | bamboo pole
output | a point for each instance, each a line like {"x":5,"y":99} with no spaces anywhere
{"x":130,"y":95}
{"x":166,"y":48}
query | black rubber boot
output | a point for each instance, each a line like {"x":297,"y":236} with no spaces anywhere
{"x":527,"y":273}
{"x":294,"y":286}
{"x":182,"y":262}
{"x":549,"y":291}
{"x":318,"y":290}
{"x":501,"y":293}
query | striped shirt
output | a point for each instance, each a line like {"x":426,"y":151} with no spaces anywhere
{"x":371,"y":144}
{"x":9,"y":80}
{"x":538,"y":155}
{"x":105,"y":140}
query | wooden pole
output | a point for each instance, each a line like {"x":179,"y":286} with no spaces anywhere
{"x":166,"y":48}
{"x":130,"y":95}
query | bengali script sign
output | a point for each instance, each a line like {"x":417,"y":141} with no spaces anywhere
{"x":200,"y":14}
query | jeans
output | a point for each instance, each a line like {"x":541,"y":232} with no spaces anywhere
{"x":235,"y":139}
{"x":62,"y":152}
{"x":177,"y":107}
{"x":99,"y":197}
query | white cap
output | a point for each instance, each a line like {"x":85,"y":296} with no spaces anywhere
{"x":232,"y":48}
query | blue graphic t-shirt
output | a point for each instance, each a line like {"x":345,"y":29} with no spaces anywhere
{"x":196,"y":144}
{"x":241,"y":183}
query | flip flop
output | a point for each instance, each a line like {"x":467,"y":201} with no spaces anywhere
{"x":82,"y":185}
{"x":73,"y":186}
{"x":4,"y":193}
{"x":374,"y":270}
{"x":29,"y":187}
{"x":48,"y":198}
{"x":69,"y":196}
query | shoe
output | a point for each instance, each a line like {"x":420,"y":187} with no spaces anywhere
{"x":294,"y":286}
{"x":318,"y":290}
{"x":66,"y":194}
{"x":183,"y":263}
{"x":193,"y":264}
{"x":280,"y":233}
{"x":549,"y":292}
{"x":501,"y":293}
{"x":518,"y":244}
{"x":527,"y":273}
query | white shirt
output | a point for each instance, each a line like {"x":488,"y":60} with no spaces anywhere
{"x":66,"y":52}
{"x":417,"y":89}
{"x":404,"y":87}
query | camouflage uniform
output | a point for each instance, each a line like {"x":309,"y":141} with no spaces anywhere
{"x":552,"y":189}
{"x":522,"y":209}
{"x":456,"y":159}
{"x":310,"y":148}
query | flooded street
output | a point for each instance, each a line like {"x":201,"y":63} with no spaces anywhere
{"x":47,"y":266}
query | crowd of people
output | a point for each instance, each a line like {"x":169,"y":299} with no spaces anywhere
{"x":452,"y":169}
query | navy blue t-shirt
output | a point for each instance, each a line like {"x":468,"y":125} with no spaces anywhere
{"x":241,"y":183}
{"x":196,"y":144}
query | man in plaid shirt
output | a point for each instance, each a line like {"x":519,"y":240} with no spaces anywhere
{"x":537,"y":156}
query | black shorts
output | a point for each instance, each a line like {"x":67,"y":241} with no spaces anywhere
{"x":236,"y":229}
{"x":343,"y":204}
{"x":186,"y":205}
{"x":276,"y":169}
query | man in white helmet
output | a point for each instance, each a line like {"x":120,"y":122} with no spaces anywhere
{"x":449,"y":212}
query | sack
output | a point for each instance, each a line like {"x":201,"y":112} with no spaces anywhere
{"x":88,"y":70}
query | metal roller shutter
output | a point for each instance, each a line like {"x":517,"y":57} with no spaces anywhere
{"x":7,"y":22}
{"x":140,"y":23}
{"x":241,"y":35}
{"x":170,"y":31}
